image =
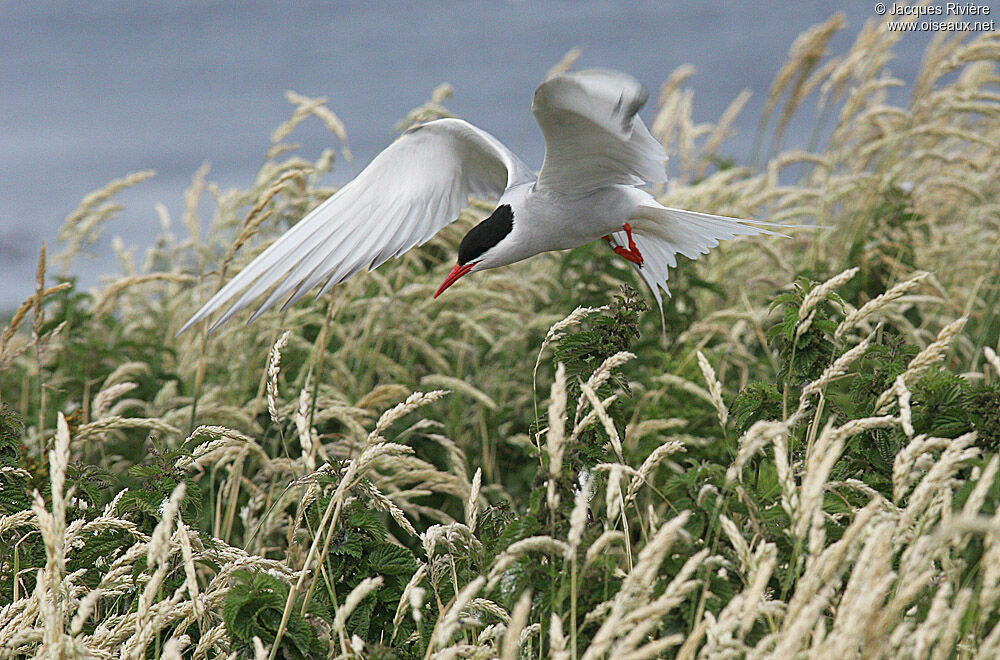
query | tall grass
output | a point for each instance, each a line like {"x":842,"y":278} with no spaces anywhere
{"x":806,"y":466}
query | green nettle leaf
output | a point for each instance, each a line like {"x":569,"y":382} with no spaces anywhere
{"x":360,"y":620}
{"x":368,"y":522}
{"x":940,"y":403}
{"x":254,"y":607}
{"x":755,"y":402}
{"x":11,"y":432}
{"x":984,"y":413}
{"x":350,"y":544}
{"x":154,"y":481}
{"x":392,"y":560}
{"x":804,"y":355}
{"x":877,"y":370}
{"x":14,"y":486}
{"x":360,"y":548}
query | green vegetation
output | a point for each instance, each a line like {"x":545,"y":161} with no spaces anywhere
{"x":804,"y":464}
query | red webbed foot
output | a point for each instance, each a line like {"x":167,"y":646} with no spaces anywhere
{"x":632,"y":251}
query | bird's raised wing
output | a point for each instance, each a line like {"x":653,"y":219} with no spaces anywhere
{"x":416,"y":186}
{"x":593,"y":136}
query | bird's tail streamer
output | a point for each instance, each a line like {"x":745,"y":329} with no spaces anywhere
{"x":661,"y":233}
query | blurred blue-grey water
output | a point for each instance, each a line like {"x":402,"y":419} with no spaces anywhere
{"x":91,"y":91}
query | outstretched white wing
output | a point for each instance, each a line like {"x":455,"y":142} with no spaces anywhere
{"x":416,"y":186}
{"x":593,"y":136}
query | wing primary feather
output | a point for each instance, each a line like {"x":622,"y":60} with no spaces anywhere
{"x":412,"y":189}
{"x":274,"y":261}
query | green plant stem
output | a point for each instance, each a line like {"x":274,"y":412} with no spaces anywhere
{"x":572,"y":605}
{"x":333,"y":511}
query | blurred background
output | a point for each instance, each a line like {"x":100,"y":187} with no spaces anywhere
{"x":92,"y":91}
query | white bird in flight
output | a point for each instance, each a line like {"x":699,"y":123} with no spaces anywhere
{"x":597,"y":150}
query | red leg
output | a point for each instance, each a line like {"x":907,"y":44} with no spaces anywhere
{"x":631,"y":252}
{"x":631,"y":241}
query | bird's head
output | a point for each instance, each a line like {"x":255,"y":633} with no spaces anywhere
{"x":479,"y":249}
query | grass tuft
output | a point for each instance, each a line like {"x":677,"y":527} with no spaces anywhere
{"x":804,"y":466}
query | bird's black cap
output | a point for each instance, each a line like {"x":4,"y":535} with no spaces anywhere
{"x":486,"y":234}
